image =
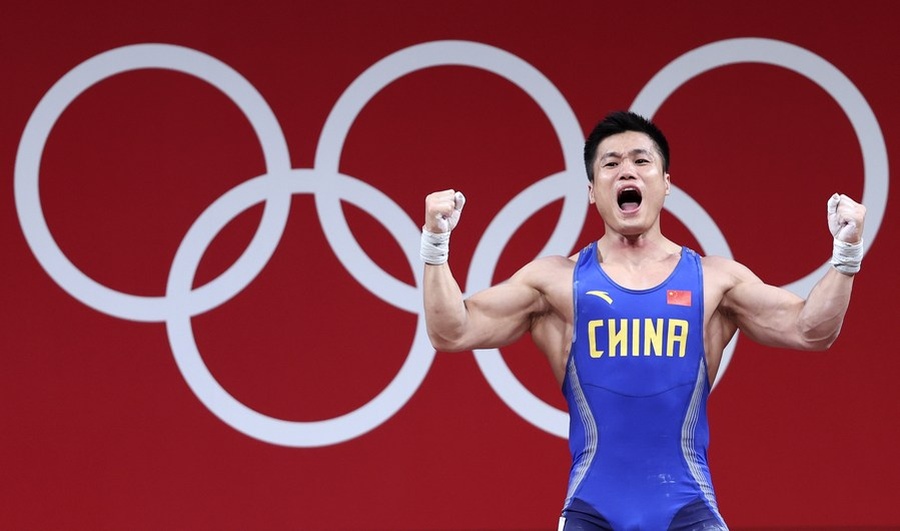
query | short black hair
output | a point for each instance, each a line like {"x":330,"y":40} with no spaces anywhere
{"x":619,"y":122}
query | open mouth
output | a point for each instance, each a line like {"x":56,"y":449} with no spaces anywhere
{"x":629,"y":199}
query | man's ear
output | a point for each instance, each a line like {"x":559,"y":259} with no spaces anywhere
{"x":591,"y":192}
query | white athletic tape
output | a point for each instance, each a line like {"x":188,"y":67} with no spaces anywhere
{"x":435,"y":248}
{"x":847,"y":257}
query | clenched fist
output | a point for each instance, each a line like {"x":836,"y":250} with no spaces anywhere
{"x":442,"y":210}
{"x":845,"y":218}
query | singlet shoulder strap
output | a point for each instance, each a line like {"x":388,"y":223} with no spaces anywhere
{"x":587,"y":254}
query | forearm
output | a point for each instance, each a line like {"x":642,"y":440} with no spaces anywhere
{"x":492,"y":317}
{"x":822,"y":314}
{"x":445,"y":309}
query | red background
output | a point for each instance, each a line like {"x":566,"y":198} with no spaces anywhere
{"x":100,"y":429}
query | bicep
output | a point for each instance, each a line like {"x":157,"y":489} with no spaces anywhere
{"x":767,"y":314}
{"x":501,"y":314}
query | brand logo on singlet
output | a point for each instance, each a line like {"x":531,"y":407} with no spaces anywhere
{"x":600,"y":294}
{"x":660,"y":337}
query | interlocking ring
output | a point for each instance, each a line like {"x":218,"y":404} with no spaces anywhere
{"x":329,"y":187}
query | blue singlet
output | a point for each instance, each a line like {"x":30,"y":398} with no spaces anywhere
{"x":636,"y":385}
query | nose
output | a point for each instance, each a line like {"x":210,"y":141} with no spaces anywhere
{"x":627,"y":170}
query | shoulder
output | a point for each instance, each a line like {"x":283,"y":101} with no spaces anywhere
{"x":722,"y":275}
{"x":548,"y":277}
{"x":547,"y":269}
{"x":726,"y":269}
{"x":727,"y":281}
{"x":549,"y":264}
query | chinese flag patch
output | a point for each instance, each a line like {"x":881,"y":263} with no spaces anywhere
{"x":678,"y":297}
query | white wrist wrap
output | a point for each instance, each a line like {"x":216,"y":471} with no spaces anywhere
{"x":847,"y":257}
{"x":435,"y":248}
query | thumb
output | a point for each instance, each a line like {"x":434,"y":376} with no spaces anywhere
{"x":833,"y":204}
{"x":459,"y":201}
{"x":834,"y":221}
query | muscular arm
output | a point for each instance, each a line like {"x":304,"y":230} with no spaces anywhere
{"x":774,"y":316}
{"x":490,"y":318}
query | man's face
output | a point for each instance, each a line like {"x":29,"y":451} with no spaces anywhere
{"x":629,"y":185}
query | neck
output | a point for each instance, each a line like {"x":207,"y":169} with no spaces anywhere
{"x":650,"y":246}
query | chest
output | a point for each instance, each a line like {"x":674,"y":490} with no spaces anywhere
{"x":639,"y":337}
{"x":639,"y":277}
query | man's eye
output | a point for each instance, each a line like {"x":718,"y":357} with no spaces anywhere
{"x":610,"y":164}
{"x":642,"y":161}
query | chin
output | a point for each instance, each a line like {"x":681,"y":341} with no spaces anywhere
{"x":630,"y":227}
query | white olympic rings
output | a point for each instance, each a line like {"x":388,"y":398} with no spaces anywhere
{"x":329,"y":187}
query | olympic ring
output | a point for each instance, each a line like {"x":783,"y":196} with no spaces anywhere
{"x":275,"y":188}
{"x":51,"y":107}
{"x":818,"y":70}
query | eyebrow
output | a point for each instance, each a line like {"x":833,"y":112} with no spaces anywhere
{"x":616,"y":154}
